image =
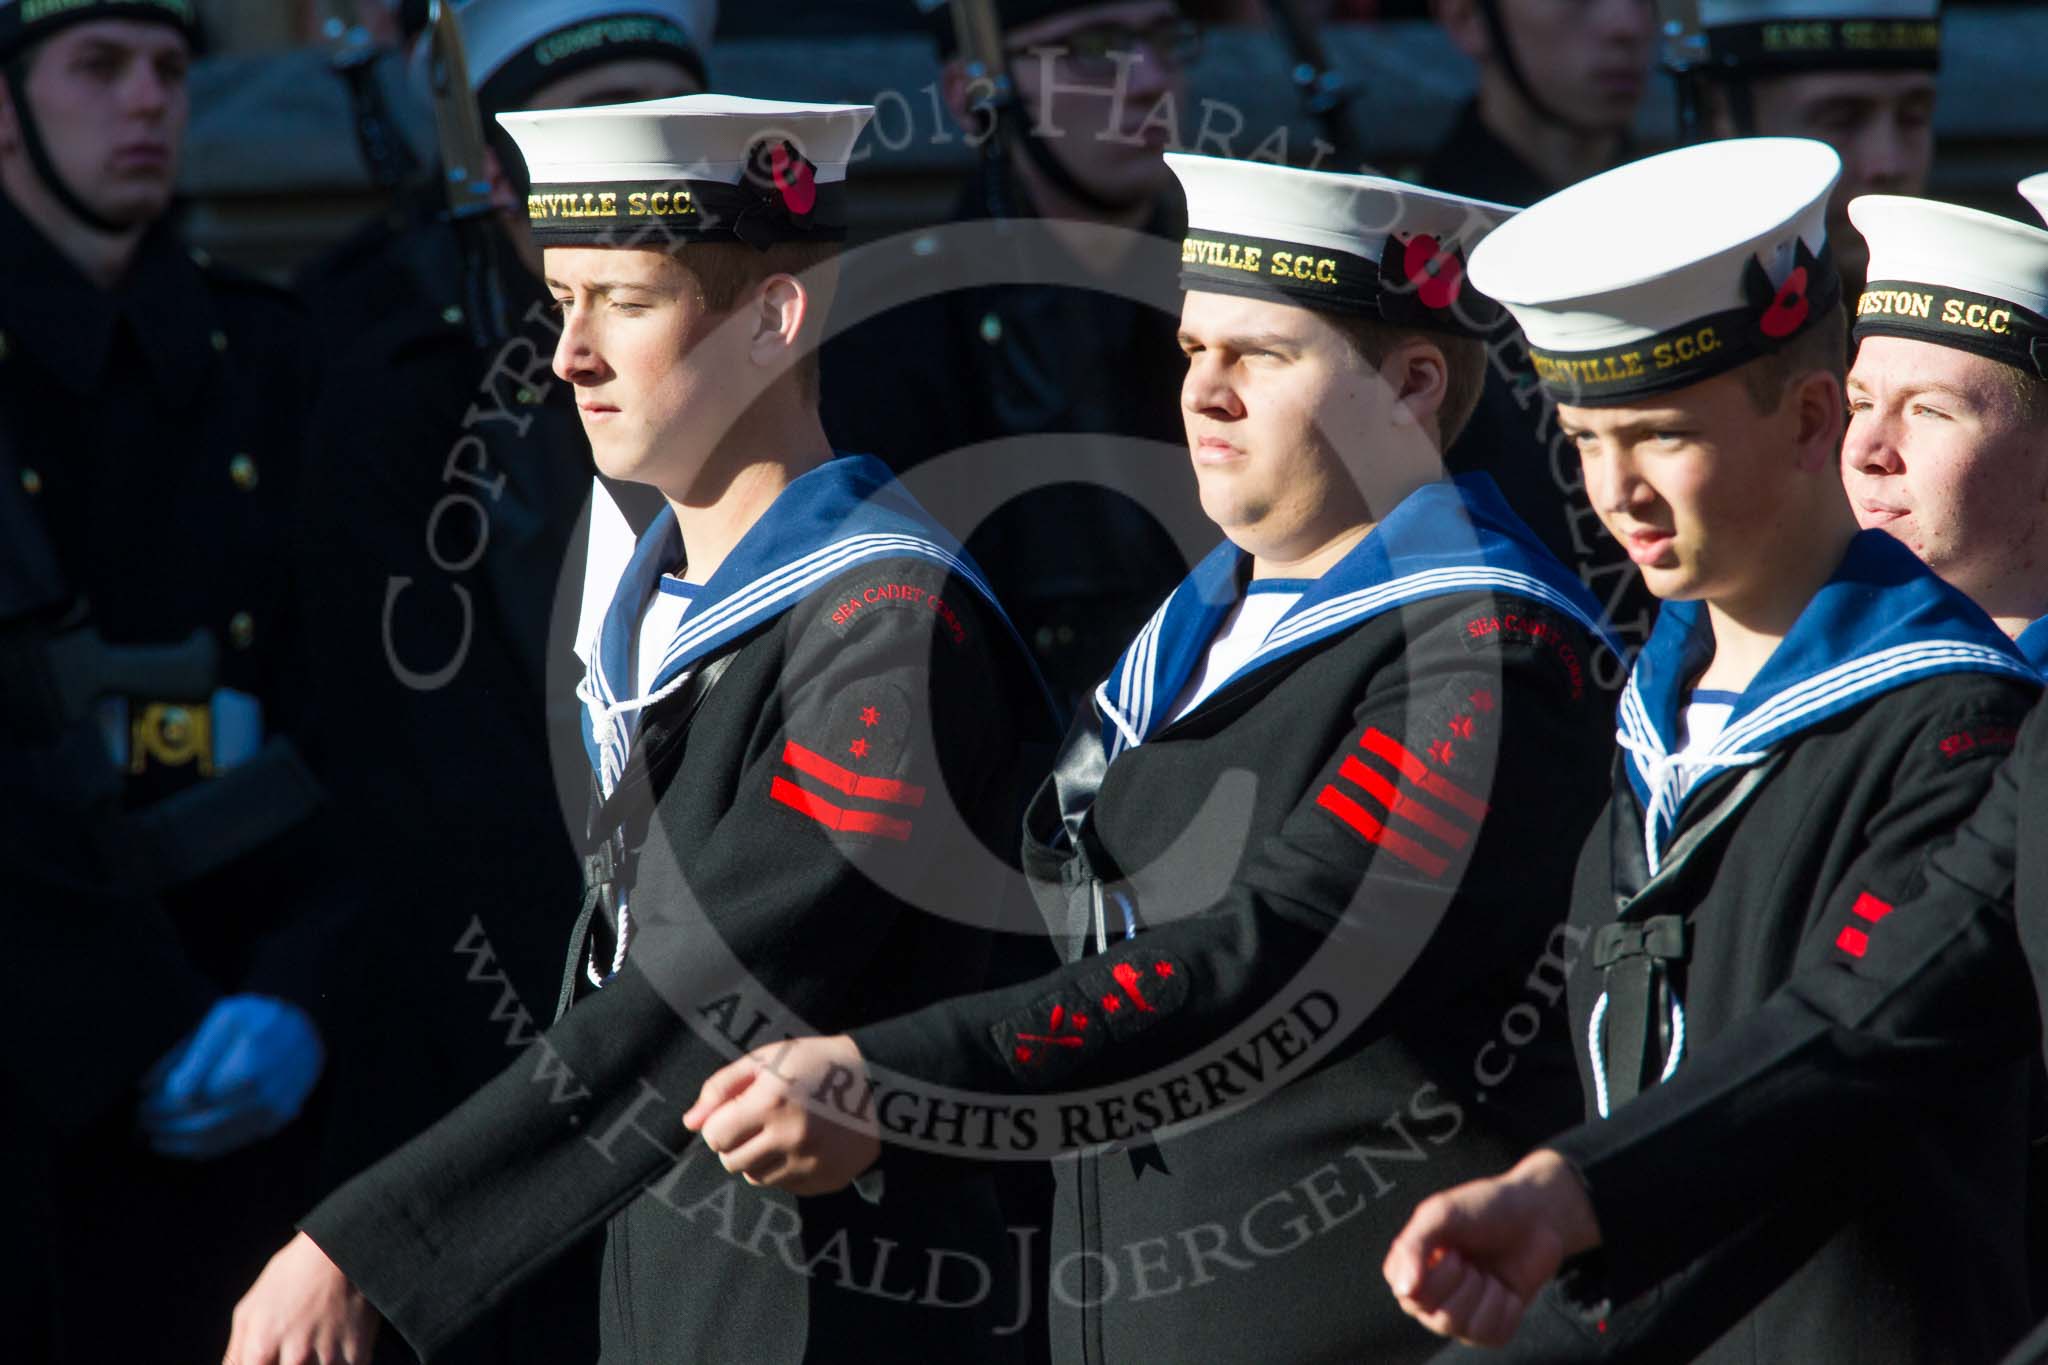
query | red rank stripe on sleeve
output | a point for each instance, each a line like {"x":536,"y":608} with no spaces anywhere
{"x":1400,"y":797}
{"x":1385,"y":747}
{"x":818,"y":766}
{"x":1398,"y":802}
{"x":836,"y":817}
{"x":1394,"y":842}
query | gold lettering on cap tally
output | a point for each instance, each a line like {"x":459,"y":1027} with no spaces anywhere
{"x":1978,"y":317}
{"x":1686,"y":349}
{"x":1223,"y":255}
{"x":1903,"y":303}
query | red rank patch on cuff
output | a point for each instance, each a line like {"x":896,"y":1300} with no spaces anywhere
{"x":1106,"y":1000}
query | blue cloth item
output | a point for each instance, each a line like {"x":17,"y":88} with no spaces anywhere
{"x":846,"y":511}
{"x":1453,"y":536}
{"x":1883,"y":620}
{"x":242,"y":1075}
{"x":2033,"y":643}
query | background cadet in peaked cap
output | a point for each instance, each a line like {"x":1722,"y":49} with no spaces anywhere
{"x":159,"y":855}
{"x":1856,"y":74}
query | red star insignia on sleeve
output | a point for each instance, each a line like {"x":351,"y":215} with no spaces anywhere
{"x":1461,"y":726}
{"x":1482,"y":700}
{"x":1442,"y":752}
{"x":870,"y":716}
{"x":859,"y":748}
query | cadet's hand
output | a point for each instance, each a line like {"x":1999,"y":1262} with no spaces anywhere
{"x":302,"y":1311}
{"x":1472,"y":1257}
{"x":792,"y":1117}
{"x":243,"y":1074}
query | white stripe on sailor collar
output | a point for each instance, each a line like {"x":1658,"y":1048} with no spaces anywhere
{"x":1671,"y":782}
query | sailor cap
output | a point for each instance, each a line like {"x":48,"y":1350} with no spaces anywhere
{"x":1669,"y":270}
{"x":1764,"y":36}
{"x":517,"y":46}
{"x":2034,"y":189}
{"x":690,"y":168}
{"x":27,"y":21}
{"x":1955,"y":277}
{"x":1356,"y":244}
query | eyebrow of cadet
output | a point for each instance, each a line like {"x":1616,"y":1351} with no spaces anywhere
{"x":1258,"y":341}
{"x":1914,"y":387}
{"x":603,"y":286}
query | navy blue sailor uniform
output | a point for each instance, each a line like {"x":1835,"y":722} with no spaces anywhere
{"x":1349,"y":860}
{"x":852,"y":766}
{"x":1871,"y":1091}
{"x":1870,"y":733}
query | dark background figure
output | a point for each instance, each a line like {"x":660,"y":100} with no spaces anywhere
{"x":1871,"y":100}
{"x":1559,"y":87}
{"x":161,"y":862}
{"x":446,"y":481}
{"x":1079,"y":567}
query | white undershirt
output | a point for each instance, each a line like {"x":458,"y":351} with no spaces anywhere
{"x":1241,"y":635}
{"x":1702,"y":720}
{"x":658,"y":622}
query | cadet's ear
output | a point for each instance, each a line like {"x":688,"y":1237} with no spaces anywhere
{"x":1460,"y":19}
{"x":1819,"y":408}
{"x":782,"y":308}
{"x":1419,"y":376}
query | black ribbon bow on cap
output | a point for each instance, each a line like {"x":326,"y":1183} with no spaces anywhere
{"x":1811,"y":287}
{"x":782,"y":191}
{"x":1422,"y":280}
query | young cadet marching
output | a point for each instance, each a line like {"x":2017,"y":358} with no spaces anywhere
{"x":1947,"y":448}
{"x":1409,"y":676}
{"x":1814,"y":708}
{"x":1906,"y":1006}
{"x":804,"y":717}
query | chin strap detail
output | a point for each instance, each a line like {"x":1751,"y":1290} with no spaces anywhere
{"x":39,"y":154}
{"x":1497,"y":36}
{"x":1055,"y":170}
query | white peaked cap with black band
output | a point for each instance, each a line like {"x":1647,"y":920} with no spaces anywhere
{"x":1762,"y":36}
{"x":1337,"y":243}
{"x":691,"y":168}
{"x":1669,"y":270}
{"x":1955,"y":277}
{"x":516,"y":46}
{"x":2034,"y":189}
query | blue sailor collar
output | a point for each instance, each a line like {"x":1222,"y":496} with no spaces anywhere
{"x":1451,"y":536}
{"x":1883,"y":620}
{"x":2033,"y":644}
{"x":846,"y":511}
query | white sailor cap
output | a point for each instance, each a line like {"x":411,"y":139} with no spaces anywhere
{"x":2034,"y":189}
{"x":1336,"y":243}
{"x":1955,"y":277}
{"x":691,"y":168}
{"x":1669,"y":270}
{"x":517,"y":46}
{"x":1762,"y":36}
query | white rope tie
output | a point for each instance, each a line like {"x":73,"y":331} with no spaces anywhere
{"x":1597,"y":1053}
